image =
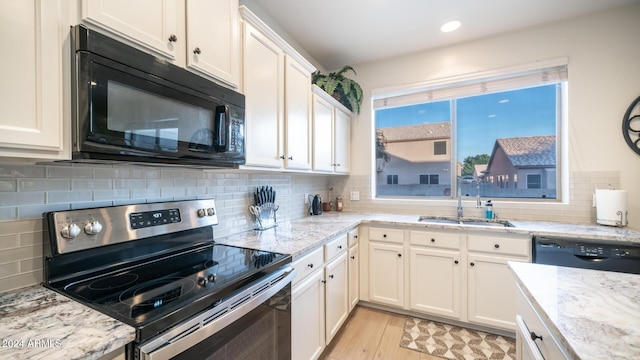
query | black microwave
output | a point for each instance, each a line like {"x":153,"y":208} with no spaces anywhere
{"x":131,"y":106}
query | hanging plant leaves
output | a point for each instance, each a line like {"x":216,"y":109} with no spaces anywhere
{"x":347,"y":91}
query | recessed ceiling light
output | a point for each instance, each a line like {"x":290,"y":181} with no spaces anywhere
{"x":450,"y":26}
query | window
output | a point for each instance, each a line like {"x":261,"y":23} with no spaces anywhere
{"x":433,"y":179}
{"x":439,"y":148}
{"x":491,"y":128}
{"x":392,"y":179}
{"x":534,"y":181}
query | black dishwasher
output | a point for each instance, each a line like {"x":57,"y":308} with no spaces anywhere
{"x":587,"y":254}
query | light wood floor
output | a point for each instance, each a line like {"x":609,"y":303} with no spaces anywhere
{"x":371,"y":334}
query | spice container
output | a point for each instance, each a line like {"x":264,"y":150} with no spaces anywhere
{"x":338,"y":203}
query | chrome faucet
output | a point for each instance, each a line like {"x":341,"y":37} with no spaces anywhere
{"x":467,"y":179}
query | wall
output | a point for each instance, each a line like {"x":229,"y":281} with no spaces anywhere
{"x":26,"y":191}
{"x":603,"y":81}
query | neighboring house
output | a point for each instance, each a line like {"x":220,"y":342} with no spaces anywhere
{"x":523,"y":163}
{"x":478,"y":172}
{"x":416,"y":155}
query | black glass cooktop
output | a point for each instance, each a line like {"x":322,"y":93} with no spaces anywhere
{"x":156,"y":293}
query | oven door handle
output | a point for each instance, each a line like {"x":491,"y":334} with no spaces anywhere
{"x":199,"y":328}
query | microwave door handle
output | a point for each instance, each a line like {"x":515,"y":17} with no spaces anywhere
{"x":221,"y":126}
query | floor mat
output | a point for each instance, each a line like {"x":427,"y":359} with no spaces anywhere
{"x":453,"y":342}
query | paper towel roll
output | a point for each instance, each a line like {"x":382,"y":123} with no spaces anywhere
{"x":611,"y":207}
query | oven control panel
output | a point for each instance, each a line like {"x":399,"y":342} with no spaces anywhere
{"x":76,"y":230}
{"x":145,"y":219}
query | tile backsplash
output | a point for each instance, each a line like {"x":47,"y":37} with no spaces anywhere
{"x":27,"y":191}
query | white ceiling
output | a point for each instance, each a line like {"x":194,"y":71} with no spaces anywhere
{"x":347,"y":32}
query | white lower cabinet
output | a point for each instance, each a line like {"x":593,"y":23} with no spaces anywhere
{"x":491,"y":286}
{"x":320,"y":303}
{"x":354,"y":269}
{"x":308,"y":319}
{"x":337,"y":302}
{"x":459,"y":275}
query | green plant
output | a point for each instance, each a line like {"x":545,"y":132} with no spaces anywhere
{"x":347,"y":91}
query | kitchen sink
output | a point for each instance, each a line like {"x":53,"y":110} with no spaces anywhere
{"x":464,"y":221}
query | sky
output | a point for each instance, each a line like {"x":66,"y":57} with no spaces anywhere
{"x":484,"y":118}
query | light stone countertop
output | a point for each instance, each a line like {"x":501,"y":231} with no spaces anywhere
{"x":38,"y":323}
{"x":299,"y":236}
{"x":593,"y":314}
{"x":63,"y":328}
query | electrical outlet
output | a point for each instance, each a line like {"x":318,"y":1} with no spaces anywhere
{"x":354,"y":196}
{"x":306,"y":199}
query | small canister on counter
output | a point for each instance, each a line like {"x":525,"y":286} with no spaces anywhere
{"x":338,"y":203}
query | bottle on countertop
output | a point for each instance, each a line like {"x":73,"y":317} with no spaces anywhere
{"x":489,"y":210}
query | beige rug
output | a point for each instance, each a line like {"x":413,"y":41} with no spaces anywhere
{"x":453,"y":342}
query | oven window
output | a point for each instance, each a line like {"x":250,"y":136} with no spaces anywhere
{"x":150,"y":121}
{"x":264,"y":333}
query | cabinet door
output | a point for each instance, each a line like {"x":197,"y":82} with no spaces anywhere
{"x":354,"y":277}
{"x":150,"y":23}
{"x":322,"y":134}
{"x":337,"y":307}
{"x":32,"y":112}
{"x":386,"y":274}
{"x":263,"y":87}
{"x":297,"y":115}
{"x":307,"y":317}
{"x":435,"y":281}
{"x":491,"y":291}
{"x":212,"y":39}
{"x":342,"y":142}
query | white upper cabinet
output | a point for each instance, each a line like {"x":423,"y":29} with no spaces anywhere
{"x":33,"y":69}
{"x":151,"y":24}
{"x":276,"y":82}
{"x":297,"y":115}
{"x":212,"y":39}
{"x":331,"y":134}
{"x":263,"y":86}
{"x":200,"y":35}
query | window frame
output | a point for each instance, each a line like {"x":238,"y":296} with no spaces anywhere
{"x":561,"y":168}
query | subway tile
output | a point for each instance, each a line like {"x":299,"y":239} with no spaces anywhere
{"x":22,"y":171}
{"x":145,"y":173}
{"x":31,"y":265}
{"x":69,"y":172}
{"x":8,"y":185}
{"x":103,"y":195}
{"x":159,"y":183}
{"x":31,"y":238}
{"x":22,"y":198}
{"x":20,"y":253}
{"x":9,"y":269}
{"x":36,"y":211}
{"x":8,"y":213}
{"x":56,"y":197}
{"x":172,"y":192}
{"x":9,"y":241}
{"x":91,"y":184}
{"x":145,"y":193}
{"x":19,"y":281}
{"x":85,"y":205}
{"x":112,"y":173}
{"x":129,"y":183}
{"x":44,"y":184}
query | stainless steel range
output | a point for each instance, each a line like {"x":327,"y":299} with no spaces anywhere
{"x":157,"y":268}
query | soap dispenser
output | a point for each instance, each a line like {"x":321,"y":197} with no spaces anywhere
{"x":489,"y":210}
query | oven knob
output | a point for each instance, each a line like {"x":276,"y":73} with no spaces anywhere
{"x":202,"y":281}
{"x":211,"y":278}
{"x":70,"y":231}
{"x":202,"y":213}
{"x":92,"y":227}
{"x":211,"y":212}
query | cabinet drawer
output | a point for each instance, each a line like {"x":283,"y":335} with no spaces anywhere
{"x":335,"y":247}
{"x":353,"y":237}
{"x":388,"y":235}
{"x":307,"y":264}
{"x":547,"y":344}
{"x":435,"y":239}
{"x":500,"y":245}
